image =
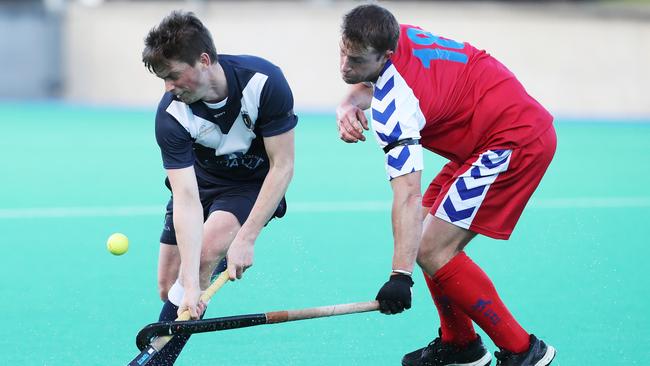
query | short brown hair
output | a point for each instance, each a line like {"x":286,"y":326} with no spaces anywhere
{"x":370,"y":26}
{"x":180,"y":36}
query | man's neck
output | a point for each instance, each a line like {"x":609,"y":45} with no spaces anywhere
{"x":218,"y":85}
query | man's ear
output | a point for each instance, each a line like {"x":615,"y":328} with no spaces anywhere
{"x":205,"y":60}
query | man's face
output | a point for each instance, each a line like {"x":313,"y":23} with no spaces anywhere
{"x":361,"y":65}
{"x":185,"y":81}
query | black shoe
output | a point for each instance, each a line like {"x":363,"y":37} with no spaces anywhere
{"x":538,"y":354}
{"x":439,"y":353}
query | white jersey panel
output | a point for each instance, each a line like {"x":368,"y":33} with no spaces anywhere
{"x":396,"y":115}
{"x":239,"y":137}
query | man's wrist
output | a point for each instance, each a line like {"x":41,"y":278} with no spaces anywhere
{"x":401,"y":271}
{"x":401,"y":277}
{"x":190,"y":282}
{"x":249,"y":231}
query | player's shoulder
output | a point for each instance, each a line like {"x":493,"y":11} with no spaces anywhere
{"x":416,"y":37}
{"x":247,"y":64}
{"x":166,"y":99}
{"x":403,"y":28}
{"x":170,"y":110}
{"x":406,"y":31}
{"x":244,"y":67}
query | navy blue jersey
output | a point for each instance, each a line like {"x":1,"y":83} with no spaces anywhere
{"x":225,"y":144}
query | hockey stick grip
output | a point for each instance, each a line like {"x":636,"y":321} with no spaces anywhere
{"x":321,"y":312}
{"x":207,"y":294}
{"x":160,"y":342}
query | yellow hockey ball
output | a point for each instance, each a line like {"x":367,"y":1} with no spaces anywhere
{"x":117,"y":244}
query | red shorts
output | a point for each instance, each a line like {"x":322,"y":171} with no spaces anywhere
{"x":488,"y":192}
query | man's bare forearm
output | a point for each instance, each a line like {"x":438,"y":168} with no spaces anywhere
{"x":188,"y":223}
{"x":359,"y":95}
{"x":273,"y":189}
{"x":407,"y":225}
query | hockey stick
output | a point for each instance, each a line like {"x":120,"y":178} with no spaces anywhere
{"x":161,"y":329}
{"x":154,"y":345}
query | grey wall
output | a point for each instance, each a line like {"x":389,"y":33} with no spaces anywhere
{"x":30,"y":51}
{"x":580,"y":60}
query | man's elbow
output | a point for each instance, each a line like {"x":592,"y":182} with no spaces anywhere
{"x":414,"y":198}
{"x":283,"y":169}
{"x":185,"y":195}
{"x":407,"y":188}
{"x":288,"y":174}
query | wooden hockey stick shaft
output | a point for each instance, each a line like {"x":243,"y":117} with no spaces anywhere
{"x":249,"y":320}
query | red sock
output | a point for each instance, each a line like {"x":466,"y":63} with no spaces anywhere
{"x":468,"y":287}
{"x":455,"y":326}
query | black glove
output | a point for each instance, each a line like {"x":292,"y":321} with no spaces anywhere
{"x":395,"y":295}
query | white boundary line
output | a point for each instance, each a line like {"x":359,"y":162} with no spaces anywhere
{"x":591,"y":202}
{"x":311,"y":207}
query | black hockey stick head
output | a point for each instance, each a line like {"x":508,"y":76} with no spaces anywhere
{"x":150,"y":331}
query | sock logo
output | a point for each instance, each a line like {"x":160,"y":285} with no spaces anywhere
{"x":445,"y":304}
{"x":482,"y":307}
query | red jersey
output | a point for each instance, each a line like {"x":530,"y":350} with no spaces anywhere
{"x":458,"y":100}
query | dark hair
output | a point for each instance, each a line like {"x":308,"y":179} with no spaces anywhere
{"x":370,"y":25}
{"x":180,"y":36}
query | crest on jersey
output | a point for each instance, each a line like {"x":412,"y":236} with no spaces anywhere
{"x":247,"y":119}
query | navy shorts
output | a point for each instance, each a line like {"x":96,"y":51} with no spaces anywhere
{"x":237,"y":199}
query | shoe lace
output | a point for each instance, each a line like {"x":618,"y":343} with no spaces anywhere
{"x":435,"y":345}
{"x":502,"y":356}
{"x":432,"y":353}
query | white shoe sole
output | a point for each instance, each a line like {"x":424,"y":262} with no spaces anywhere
{"x":548,"y":357}
{"x":483,"y":361}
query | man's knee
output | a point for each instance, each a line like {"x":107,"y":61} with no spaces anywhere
{"x":440,"y":242}
{"x":211,"y":254}
{"x":169,"y":261}
{"x":165,"y":283}
{"x":163,"y":289}
{"x":219,"y":231}
{"x":431,"y":258}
